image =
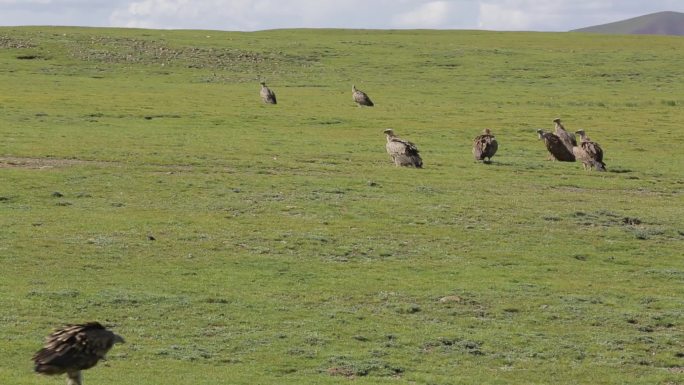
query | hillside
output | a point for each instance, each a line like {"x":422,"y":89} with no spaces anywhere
{"x":661,"y":23}
{"x":144,"y":184}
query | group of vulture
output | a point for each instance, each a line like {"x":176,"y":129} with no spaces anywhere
{"x":74,"y":348}
{"x":562,"y":145}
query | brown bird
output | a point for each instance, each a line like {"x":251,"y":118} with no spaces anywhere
{"x":568,"y":139}
{"x":485,"y":146}
{"x":74,"y":348}
{"x":402,"y":152}
{"x":589,"y":152}
{"x":556,"y":147}
{"x":267,"y":95}
{"x":360,"y":97}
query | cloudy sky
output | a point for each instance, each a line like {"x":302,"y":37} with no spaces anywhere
{"x":251,"y":15}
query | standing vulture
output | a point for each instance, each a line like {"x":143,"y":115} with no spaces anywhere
{"x":360,"y":97}
{"x":74,"y":348}
{"x":590,"y":153}
{"x":485,"y":146}
{"x":566,"y":137}
{"x":267,"y":95}
{"x":556,"y":147}
{"x":402,"y":152}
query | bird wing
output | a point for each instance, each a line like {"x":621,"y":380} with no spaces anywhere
{"x":493,"y":145}
{"x":484,"y":146}
{"x":361,"y":98}
{"x":401,"y":146}
{"x":74,"y":347}
{"x":557,"y":148}
{"x":268,"y":95}
{"x":593,"y":150}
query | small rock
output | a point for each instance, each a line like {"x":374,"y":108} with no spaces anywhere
{"x":151,"y":238}
{"x":57,"y":194}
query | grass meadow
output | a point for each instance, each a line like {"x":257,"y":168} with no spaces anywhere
{"x":287,"y":247}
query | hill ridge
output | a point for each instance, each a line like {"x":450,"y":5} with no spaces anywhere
{"x":659,"y":23}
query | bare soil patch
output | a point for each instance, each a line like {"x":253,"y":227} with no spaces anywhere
{"x":42,"y":163}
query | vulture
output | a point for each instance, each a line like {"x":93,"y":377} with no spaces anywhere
{"x":402,"y":152}
{"x":267,"y":95}
{"x":566,"y":137}
{"x":74,"y":348}
{"x":590,"y":153}
{"x":360,"y":97}
{"x":556,"y":147}
{"x":485,"y":146}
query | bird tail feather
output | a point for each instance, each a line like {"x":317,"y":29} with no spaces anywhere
{"x":599,"y":166}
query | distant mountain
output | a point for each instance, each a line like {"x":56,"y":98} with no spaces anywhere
{"x":661,"y":23}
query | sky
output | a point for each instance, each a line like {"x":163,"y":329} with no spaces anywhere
{"x":253,"y":15}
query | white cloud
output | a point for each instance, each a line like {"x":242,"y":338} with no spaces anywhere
{"x":247,"y":15}
{"x":268,"y":14}
{"x":24,"y":2}
{"x":429,"y":15}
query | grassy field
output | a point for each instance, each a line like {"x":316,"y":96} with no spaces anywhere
{"x":289,"y":250}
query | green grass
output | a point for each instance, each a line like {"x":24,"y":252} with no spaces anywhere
{"x":290,"y":250}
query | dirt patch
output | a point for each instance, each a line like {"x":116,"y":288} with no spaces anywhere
{"x":13,"y":42}
{"x":341,"y":371}
{"x":143,"y":51}
{"x":42,"y":163}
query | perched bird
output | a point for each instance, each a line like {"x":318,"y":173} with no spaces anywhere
{"x":267,"y":95}
{"x":568,"y":139}
{"x":485,"y":146}
{"x":590,"y":153}
{"x":556,"y":147}
{"x":74,"y":348}
{"x":360,"y":97}
{"x":402,"y":152}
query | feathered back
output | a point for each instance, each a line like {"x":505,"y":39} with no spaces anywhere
{"x":485,"y":145}
{"x":402,"y":152}
{"x":566,"y":137}
{"x":361,"y":98}
{"x":74,"y":347}
{"x":594,"y":152}
{"x":267,"y":95}
{"x":556,"y":148}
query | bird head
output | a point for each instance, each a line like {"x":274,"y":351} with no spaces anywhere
{"x":263,"y":84}
{"x":389,"y":132}
{"x":540,"y":132}
{"x":557,"y":120}
{"x":580,"y":132}
{"x":487,"y":131}
{"x":353,"y":88}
